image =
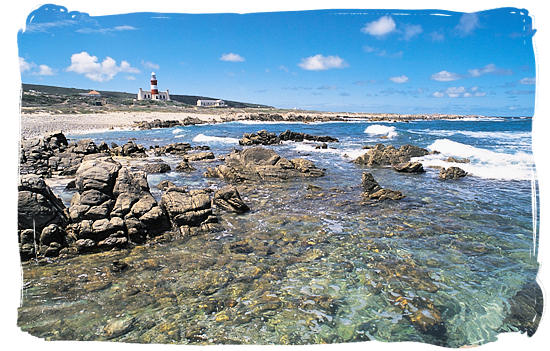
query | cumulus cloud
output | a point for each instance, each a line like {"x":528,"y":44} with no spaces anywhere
{"x":231,"y":57}
{"x":44,"y":70}
{"x":91,"y":68}
{"x":400,"y":79}
{"x":489,"y":69}
{"x":445,"y":76}
{"x":412,"y":30}
{"x":527,"y":81}
{"x":321,"y":63}
{"x":467,"y":24}
{"x":382,"y":52}
{"x":24,"y":65}
{"x":438,"y":94}
{"x":380,"y":27}
{"x":150,"y":65}
{"x":459,"y":92}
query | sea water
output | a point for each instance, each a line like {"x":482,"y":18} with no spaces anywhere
{"x":311,"y":263}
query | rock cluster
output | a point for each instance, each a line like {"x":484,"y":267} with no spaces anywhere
{"x":452,"y":173}
{"x":263,"y":137}
{"x":228,"y":198}
{"x":157,"y":123}
{"x":130,"y":149}
{"x":258,"y":163}
{"x":53,"y":155}
{"x":112,"y":206}
{"x":177,"y":149}
{"x":372,"y":190}
{"x":381,"y":155}
{"x":41,"y":217}
{"x":156,"y":167}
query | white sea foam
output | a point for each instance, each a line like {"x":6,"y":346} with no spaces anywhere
{"x":177,"y":131}
{"x":475,"y":134}
{"x":483,"y":163}
{"x":180,"y":136}
{"x":381,"y":130}
{"x":201,"y":138}
{"x":348,"y":153}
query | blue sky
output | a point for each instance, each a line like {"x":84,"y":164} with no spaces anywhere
{"x":334,"y":60}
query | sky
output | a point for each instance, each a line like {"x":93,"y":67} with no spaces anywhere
{"x":332,"y":60}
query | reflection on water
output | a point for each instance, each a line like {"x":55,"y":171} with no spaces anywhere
{"x":310,"y":263}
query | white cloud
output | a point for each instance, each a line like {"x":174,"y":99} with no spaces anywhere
{"x":400,"y":79}
{"x":150,"y":65}
{"x":480,"y":93}
{"x":438,"y":94}
{"x":412,"y":30}
{"x":437,"y":37}
{"x":382,"y":52}
{"x":489,"y":69}
{"x":445,"y":76}
{"x":231,"y":57}
{"x":380,"y":27}
{"x":84,"y":63}
{"x":24,"y":65}
{"x":321,"y":63}
{"x":45,"y":70}
{"x":130,"y":78}
{"x":454,"y":92}
{"x":468,"y":23}
{"x":105,"y":30}
{"x":527,"y":81}
{"x":459,"y":92}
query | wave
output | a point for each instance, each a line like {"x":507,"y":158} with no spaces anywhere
{"x":348,"y":153}
{"x":201,"y":138}
{"x":177,"y":131}
{"x":475,"y":134}
{"x":483,"y":163}
{"x":377,"y":129}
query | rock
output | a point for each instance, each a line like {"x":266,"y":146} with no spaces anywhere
{"x":118,"y":327}
{"x":409,"y":167}
{"x":526,"y":308}
{"x":85,"y":245}
{"x":184,"y":166}
{"x":38,"y":206}
{"x":157,"y":123}
{"x":258,"y":163}
{"x":372,"y":190}
{"x":262,"y":137}
{"x":228,"y":198}
{"x":98,"y":174}
{"x":52,"y":233}
{"x":165,"y":184}
{"x":188,"y":210}
{"x":295,"y":136}
{"x":452,"y":173}
{"x":457,"y":160}
{"x":156,"y":167}
{"x":322,"y":146}
{"x":200,"y":156}
{"x":381,"y":155}
{"x":130,"y":149}
{"x":178,"y":149}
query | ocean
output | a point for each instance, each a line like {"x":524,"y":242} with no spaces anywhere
{"x":338,"y":270}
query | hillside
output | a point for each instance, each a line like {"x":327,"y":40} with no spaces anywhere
{"x":45,"y":98}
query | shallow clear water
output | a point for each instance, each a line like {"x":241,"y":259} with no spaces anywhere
{"x":312,"y":264}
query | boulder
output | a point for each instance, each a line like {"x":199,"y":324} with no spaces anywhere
{"x":156,"y":167}
{"x":98,"y":174}
{"x":178,"y":149}
{"x":130,"y":149}
{"x":200,"y":156}
{"x":457,"y":160}
{"x":258,"y":163}
{"x":228,"y":198}
{"x":409,"y":167}
{"x":184,"y":166}
{"x":373,"y":191}
{"x":451,"y":173}
{"x":381,"y":155}
{"x":295,"y":136}
{"x":262,"y":137}
{"x":165,"y":184}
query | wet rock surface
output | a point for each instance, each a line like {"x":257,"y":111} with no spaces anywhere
{"x":452,"y":173}
{"x":259,"y":163}
{"x":229,"y":199}
{"x":409,"y":167}
{"x":263,"y":137}
{"x":381,"y":155}
{"x":373,"y":191}
{"x":298,"y":137}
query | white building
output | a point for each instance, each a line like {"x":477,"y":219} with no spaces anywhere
{"x":154,"y":93}
{"x":210,"y":103}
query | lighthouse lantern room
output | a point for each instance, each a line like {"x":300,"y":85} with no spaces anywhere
{"x":154,"y":93}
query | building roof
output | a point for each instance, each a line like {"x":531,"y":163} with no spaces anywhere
{"x":93,"y":92}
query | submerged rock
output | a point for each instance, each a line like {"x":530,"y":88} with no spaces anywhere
{"x":381,"y":155}
{"x":452,"y":173}
{"x":526,"y":308}
{"x":372,"y":190}
{"x":258,"y":163}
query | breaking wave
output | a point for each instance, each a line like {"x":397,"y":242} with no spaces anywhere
{"x":201,"y":138}
{"x":380,"y":130}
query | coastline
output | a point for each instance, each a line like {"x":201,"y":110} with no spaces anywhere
{"x":37,"y":124}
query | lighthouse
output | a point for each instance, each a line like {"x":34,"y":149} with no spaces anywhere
{"x":154,"y":88}
{"x":154,"y":93}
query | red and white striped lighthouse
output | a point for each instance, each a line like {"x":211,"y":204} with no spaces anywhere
{"x":154,"y":88}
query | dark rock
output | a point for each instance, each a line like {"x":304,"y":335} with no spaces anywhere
{"x":381,"y":155}
{"x":372,"y":190}
{"x":178,"y":149}
{"x":409,"y":167}
{"x":526,"y":308}
{"x":130,"y":149}
{"x":457,"y":160}
{"x":199,"y":156}
{"x":157,"y":123}
{"x":98,"y":174}
{"x":262,"y":137}
{"x":452,"y":173}
{"x":165,"y":184}
{"x":295,"y":136}
{"x":118,"y":266}
{"x":322,"y":146}
{"x":52,"y":233}
{"x":228,"y":198}
{"x":156,"y":167}
{"x":258,"y":163}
